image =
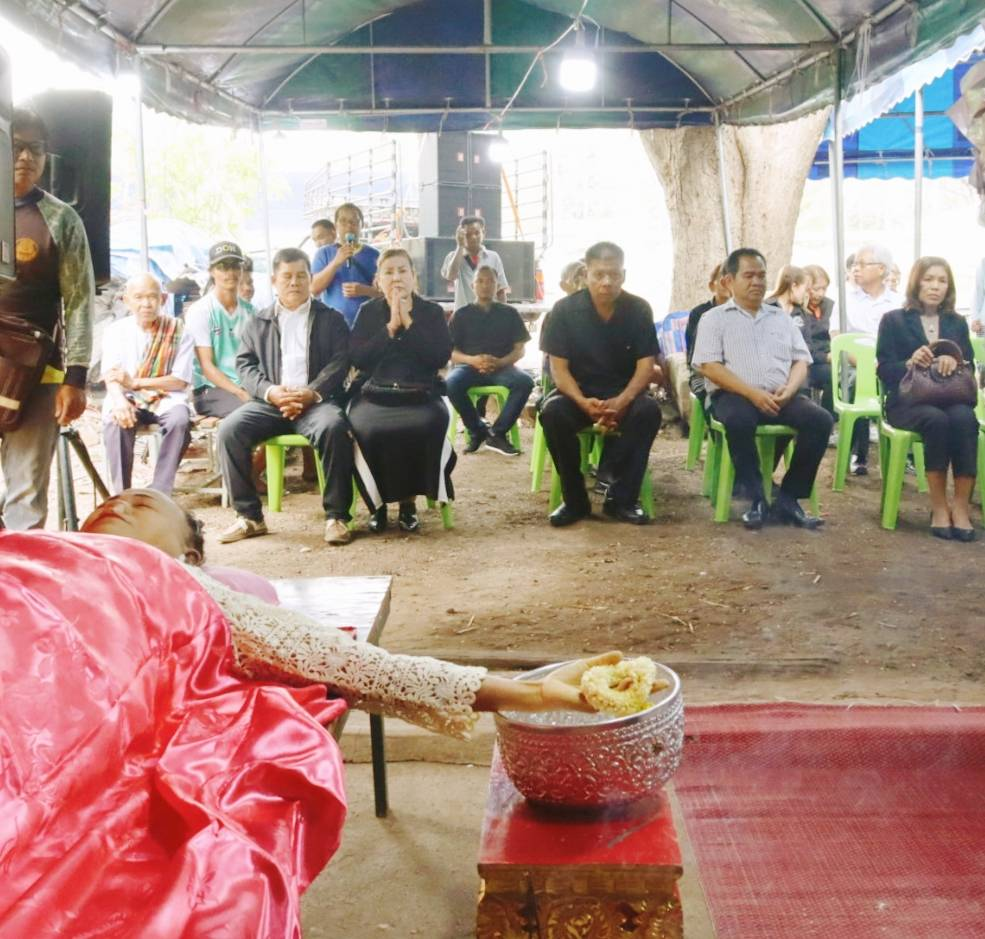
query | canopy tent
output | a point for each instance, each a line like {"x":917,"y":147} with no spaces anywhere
{"x":881,"y":123}
{"x":430,"y":65}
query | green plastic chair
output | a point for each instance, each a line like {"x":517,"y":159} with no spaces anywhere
{"x":500,"y":393}
{"x":978,"y":347}
{"x":276,"y":457}
{"x":696,"y":434}
{"x":866,"y":403}
{"x":723,"y":473}
{"x":591,"y":443}
{"x":894,"y":446}
{"x":538,"y":456}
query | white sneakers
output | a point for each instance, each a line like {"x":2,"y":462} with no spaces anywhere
{"x":242,"y":528}
{"x":337,"y":532}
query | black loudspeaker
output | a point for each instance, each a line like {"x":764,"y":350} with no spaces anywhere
{"x":6,"y":173}
{"x":444,"y":205}
{"x":445,"y":159}
{"x":80,"y":137}
{"x":429,"y":254}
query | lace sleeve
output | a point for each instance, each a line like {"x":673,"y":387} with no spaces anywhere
{"x":271,"y":642}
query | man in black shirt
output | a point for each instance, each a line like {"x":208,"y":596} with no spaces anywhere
{"x":601,"y":344}
{"x":488,"y":339}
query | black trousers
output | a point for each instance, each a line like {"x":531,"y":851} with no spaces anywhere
{"x":214,"y":402}
{"x":950,"y":435}
{"x":625,"y":455}
{"x":323,"y":424}
{"x":741,"y":418}
{"x":819,"y":376}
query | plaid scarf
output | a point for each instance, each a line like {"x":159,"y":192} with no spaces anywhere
{"x":159,"y":358}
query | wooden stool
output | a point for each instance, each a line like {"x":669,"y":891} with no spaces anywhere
{"x":559,"y":874}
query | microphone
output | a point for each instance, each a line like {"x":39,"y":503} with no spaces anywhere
{"x":350,"y":239}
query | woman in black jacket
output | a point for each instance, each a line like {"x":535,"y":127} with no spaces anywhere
{"x":399,"y":342}
{"x":950,"y":435}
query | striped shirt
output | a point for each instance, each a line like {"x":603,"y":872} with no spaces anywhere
{"x":759,"y":349}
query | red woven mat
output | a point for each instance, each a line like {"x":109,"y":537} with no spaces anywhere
{"x":855,"y":823}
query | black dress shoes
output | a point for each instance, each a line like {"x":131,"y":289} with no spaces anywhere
{"x":377,"y":521}
{"x":964,"y":535}
{"x":565,"y":515}
{"x":788,"y":511}
{"x":407,"y":518}
{"x":756,"y":515}
{"x":633,"y":514}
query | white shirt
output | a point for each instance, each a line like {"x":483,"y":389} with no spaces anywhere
{"x":464,"y":289}
{"x":293,"y":344}
{"x":757,"y":349}
{"x":125,"y":345}
{"x":864,"y":311}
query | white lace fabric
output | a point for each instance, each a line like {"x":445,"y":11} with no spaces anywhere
{"x":274,"y":643}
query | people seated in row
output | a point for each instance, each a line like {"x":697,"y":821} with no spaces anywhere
{"x":601,"y":347}
{"x":816,"y":330}
{"x":400,"y":341}
{"x":293,"y":360}
{"x":488,"y":339}
{"x":719,"y":290}
{"x":461,"y":264}
{"x":344,"y":273}
{"x":950,"y":434}
{"x":147,"y":366}
{"x":216,"y":323}
{"x":754,"y":361}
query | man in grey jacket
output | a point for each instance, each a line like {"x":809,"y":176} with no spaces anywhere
{"x":293,"y":360}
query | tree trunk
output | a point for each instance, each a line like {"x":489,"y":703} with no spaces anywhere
{"x":766,"y":167}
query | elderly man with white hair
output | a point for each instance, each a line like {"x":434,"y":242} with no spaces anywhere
{"x":868,"y":299}
{"x":147,"y":364}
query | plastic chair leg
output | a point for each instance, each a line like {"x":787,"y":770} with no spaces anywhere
{"x":892,"y":482}
{"x":709,"y":477}
{"x":538,"y":457}
{"x":726,"y":480}
{"x":554,"y":500}
{"x":920,"y":467}
{"x":275,"y":476}
{"x":646,"y":493}
{"x":695,"y":436}
{"x":452,"y":424}
{"x":767,"y":460}
{"x":353,"y":507}
{"x":846,"y":425}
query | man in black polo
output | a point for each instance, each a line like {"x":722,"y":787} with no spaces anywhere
{"x":489,"y":339}
{"x":601,"y":344}
{"x":754,"y":360}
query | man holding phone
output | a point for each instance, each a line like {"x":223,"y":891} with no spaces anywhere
{"x":343,"y":273}
{"x":470,"y":254}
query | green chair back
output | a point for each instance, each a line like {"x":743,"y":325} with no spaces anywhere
{"x":862,"y":348}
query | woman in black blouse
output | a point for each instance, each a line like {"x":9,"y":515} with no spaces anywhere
{"x":950,"y":435}
{"x":399,"y":342}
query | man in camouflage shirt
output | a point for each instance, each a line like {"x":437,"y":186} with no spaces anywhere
{"x":54,"y":289}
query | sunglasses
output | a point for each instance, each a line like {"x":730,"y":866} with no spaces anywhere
{"x":34,"y":147}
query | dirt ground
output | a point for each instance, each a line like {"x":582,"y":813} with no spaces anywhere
{"x":851,"y":612}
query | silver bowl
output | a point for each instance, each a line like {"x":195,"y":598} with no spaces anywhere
{"x":568,"y":758}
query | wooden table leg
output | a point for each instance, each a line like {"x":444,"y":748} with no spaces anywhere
{"x":377,"y":746}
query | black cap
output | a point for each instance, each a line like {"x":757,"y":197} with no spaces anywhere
{"x":225,"y":251}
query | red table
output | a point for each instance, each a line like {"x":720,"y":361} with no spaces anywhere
{"x":550,"y":874}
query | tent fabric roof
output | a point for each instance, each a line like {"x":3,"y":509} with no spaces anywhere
{"x":427,"y":65}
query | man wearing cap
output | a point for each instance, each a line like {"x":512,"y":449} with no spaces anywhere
{"x":54,"y":285}
{"x":216,"y":324}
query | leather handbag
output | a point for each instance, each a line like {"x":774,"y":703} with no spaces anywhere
{"x":25,"y":351}
{"x":927,"y":385}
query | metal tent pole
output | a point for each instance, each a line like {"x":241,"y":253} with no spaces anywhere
{"x":723,"y":185}
{"x":838,"y":181}
{"x":264,"y":203}
{"x":918,"y":173}
{"x":141,"y":169}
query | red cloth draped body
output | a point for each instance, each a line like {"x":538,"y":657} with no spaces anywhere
{"x":145,"y":790}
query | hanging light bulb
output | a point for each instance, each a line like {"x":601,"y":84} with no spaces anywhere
{"x":578,"y":69}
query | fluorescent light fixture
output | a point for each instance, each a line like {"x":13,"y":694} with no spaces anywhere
{"x":578,"y":70}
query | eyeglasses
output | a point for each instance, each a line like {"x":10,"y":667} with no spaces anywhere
{"x":867,"y":264}
{"x":34,"y":147}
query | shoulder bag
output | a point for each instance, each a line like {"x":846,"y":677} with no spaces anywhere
{"x":25,"y":351}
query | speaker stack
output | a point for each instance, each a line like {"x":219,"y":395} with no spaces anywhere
{"x":6,"y":172}
{"x":459,"y":178}
{"x":80,"y":131}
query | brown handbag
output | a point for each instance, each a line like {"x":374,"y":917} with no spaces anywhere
{"x":928,"y":386}
{"x":25,"y":350}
